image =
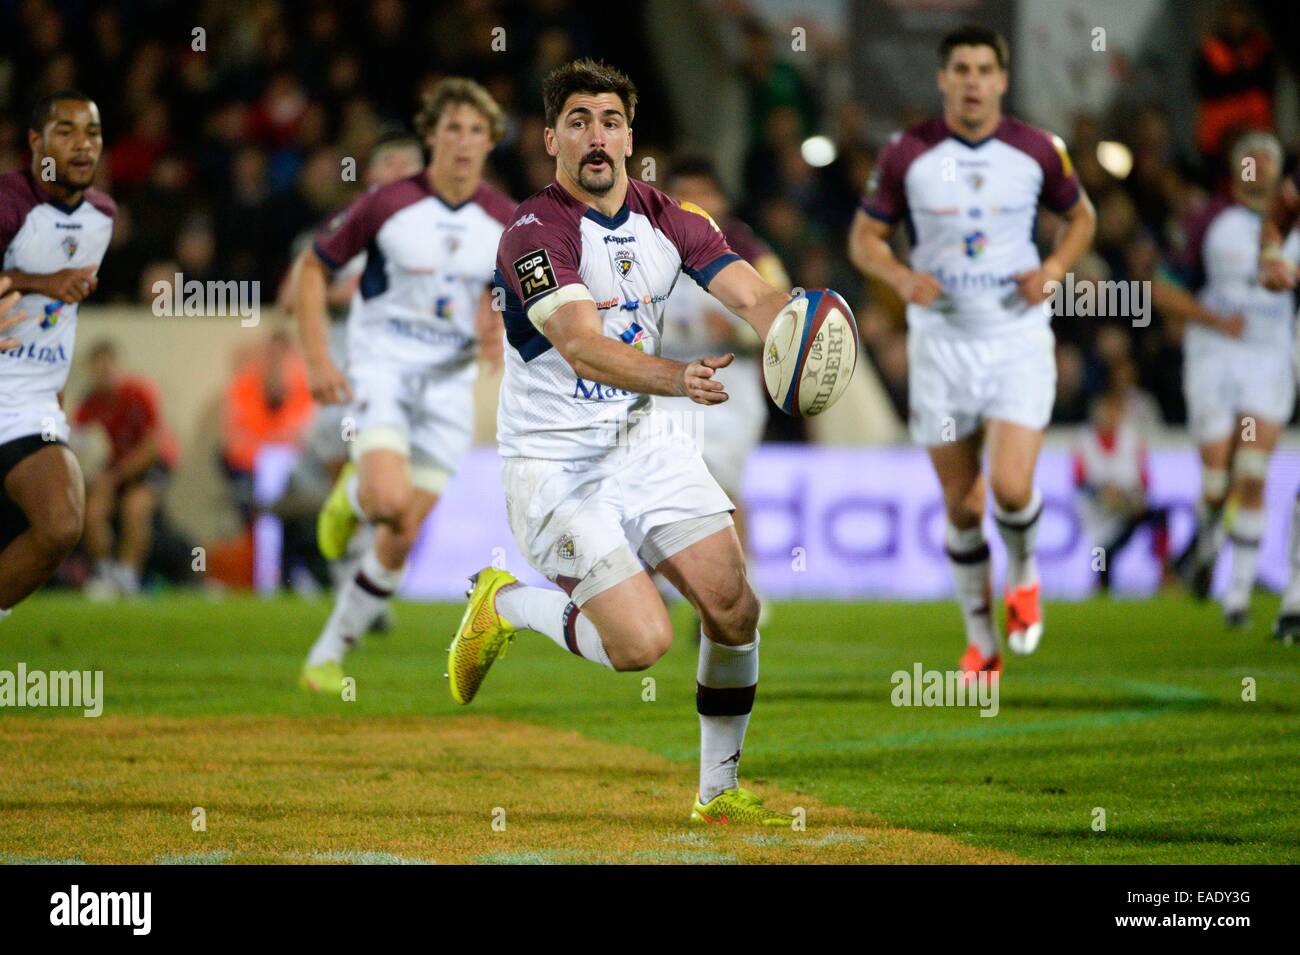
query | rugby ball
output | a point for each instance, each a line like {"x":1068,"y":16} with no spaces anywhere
{"x":810,"y":353}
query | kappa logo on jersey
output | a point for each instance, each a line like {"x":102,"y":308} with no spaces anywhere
{"x":529,"y":219}
{"x":535,"y":274}
{"x":69,"y":244}
{"x":623,"y":261}
{"x":976,"y":242}
{"x":52,"y":312}
{"x":692,"y":207}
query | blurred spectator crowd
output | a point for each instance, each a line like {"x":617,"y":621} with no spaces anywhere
{"x":228,"y":126}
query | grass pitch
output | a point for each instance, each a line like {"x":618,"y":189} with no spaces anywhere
{"x":1132,"y":708}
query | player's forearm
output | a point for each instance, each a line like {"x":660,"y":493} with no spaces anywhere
{"x":609,"y":362}
{"x":762,"y":311}
{"x":308,"y":298}
{"x":1179,"y":304}
{"x":26,"y":282}
{"x":748,"y":296}
{"x":1282,"y":216}
{"x":873,"y":257}
{"x":1076,"y":240}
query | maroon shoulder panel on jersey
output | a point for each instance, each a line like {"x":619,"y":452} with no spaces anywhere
{"x":351,"y":231}
{"x":102,"y":201}
{"x":698,"y":238}
{"x":18,"y":196}
{"x":541,"y":248}
{"x":494,"y":202}
{"x":1060,"y":184}
{"x":885,"y":197}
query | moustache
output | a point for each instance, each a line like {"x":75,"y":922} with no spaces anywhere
{"x":600,"y":156}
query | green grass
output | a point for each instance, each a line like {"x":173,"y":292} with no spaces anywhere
{"x":1133,"y":707}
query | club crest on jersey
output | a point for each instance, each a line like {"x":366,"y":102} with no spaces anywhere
{"x":565,"y":548}
{"x":635,"y":336}
{"x":976,"y":242}
{"x":51,"y":316}
{"x":69,"y":245}
{"x":976,"y":181}
{"x":623,"y":261}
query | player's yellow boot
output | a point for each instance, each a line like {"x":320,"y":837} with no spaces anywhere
{"x":738,"y":807}
{"x":337,"y":521}
{"x":482,"y":638}
{"x":327,"y":678}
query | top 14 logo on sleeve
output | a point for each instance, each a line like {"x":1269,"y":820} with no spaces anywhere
{"x":534,"y":273}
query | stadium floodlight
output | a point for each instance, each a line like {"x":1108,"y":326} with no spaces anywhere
{"x":818,"y":151}
{"x":1115,"y":158}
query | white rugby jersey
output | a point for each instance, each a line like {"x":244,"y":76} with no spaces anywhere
{"x":426,"y":266}
{"x":40,"y":235}
{"x":1220,"y":263}
{"x":557,"y":250}
{"x":970,"y":209}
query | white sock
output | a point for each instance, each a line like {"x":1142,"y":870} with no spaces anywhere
{"x":1247,"y":532}
{"x":726,"y":681}
{"x":1019,"y":531}
{"x":359,"y":602}
{"x":1291,"y":599}
{"x":968,"y":556}
{"x":1209,"y":531}
{"x":128,"y":581}
{"x":5,"y":613}
{"x":550,"y":612}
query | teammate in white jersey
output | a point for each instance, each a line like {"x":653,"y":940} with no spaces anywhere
{"x":54,"y":230}
{"x":1279,"y":272}
{"x":1237,"y":375}
{"x":414,"y":331}
{"x":969,"y":184}
{"x":586,"y":266}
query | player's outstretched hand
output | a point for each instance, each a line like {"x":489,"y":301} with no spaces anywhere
{"x":1276,"y":273}
{"x":10,"y":315}
{"x":328,"y":385}
{"x":697,"y":381}
{"x":71,"y":285}
{"x":920,"y":288}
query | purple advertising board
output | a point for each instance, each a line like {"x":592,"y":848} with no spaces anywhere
{"x":843,"y":523}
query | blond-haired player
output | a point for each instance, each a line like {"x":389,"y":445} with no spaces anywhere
{"x":420,"y":313}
